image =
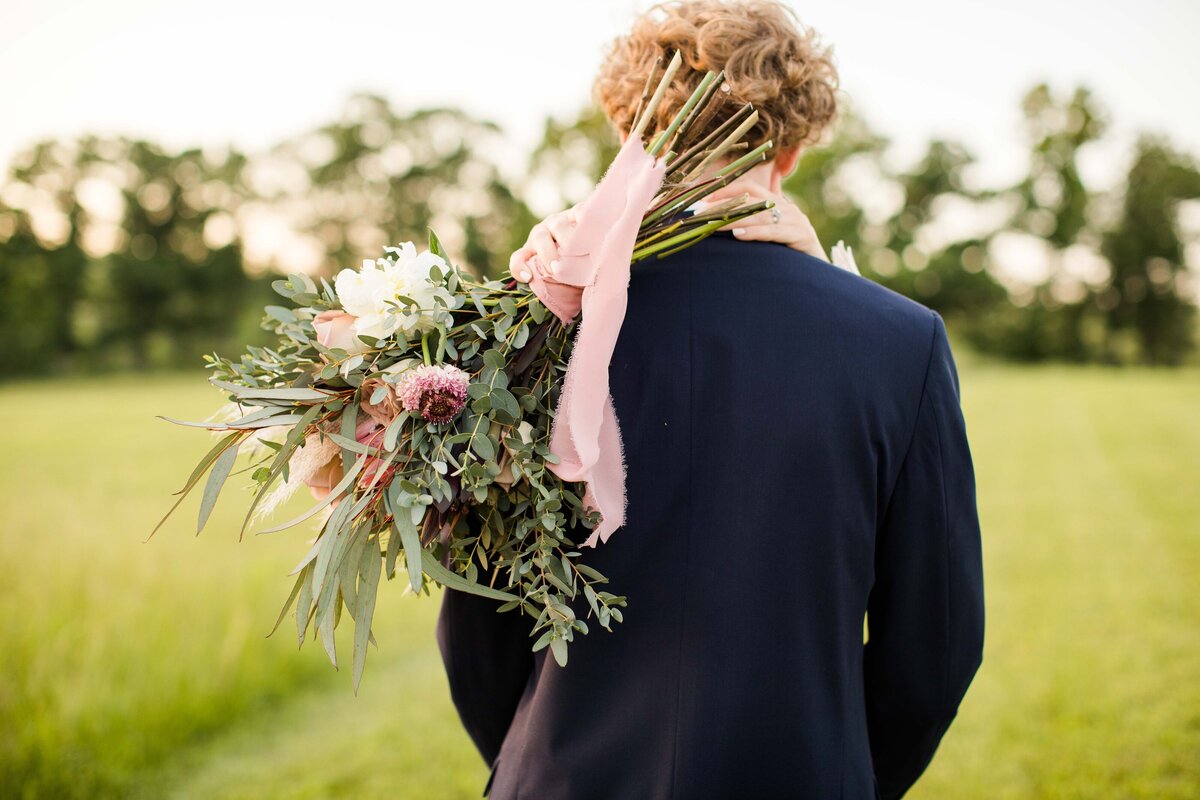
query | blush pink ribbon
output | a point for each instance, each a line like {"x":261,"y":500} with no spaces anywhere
{"x":593,"y":278}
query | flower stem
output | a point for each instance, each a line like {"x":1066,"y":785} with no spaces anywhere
{"x":685,"y":112}
{"x":425,"y":348}
{"x":652,"y":107}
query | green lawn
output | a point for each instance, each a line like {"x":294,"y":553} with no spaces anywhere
{"x":131,"y":669}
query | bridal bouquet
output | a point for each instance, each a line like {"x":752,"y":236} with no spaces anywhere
{"x":461,"y":427}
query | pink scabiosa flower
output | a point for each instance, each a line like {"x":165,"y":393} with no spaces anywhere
{"x":437,"y":393}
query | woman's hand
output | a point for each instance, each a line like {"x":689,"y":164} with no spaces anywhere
{"x":543,"y":244}
{"x":785,"y":223}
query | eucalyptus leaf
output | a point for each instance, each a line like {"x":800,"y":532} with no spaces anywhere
{"x":378,"y":395}
{"x":334,"y":494}
{"x":304,"y":575}
{"x":216,"y":479}
{"x":368,"y":588}
{"x":434,"y":569}
{"x":411,"y":539}
{"x":304,"y":606}
{"x":349,"y":423}
{"x":393,"y":551}
{"x":205,"y":463}
{"x":327,"y":625}
{"x":353,"y":445}
{"x":285,"y":315}
{"x":558,"y":647}
{"x":284,"y":419}
{"x":483,"y":446}
{"x":392,"y":434}
{"x":271,"y":393}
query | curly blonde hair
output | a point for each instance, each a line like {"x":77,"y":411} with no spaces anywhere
{"x":769,"y":59}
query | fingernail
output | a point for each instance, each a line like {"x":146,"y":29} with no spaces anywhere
{"x":738,"y":231}
{"x":554,"y":265}
{"x":523,"y":276}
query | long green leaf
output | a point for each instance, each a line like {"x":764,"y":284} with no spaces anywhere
{"x":348,"y":574}
{"x":331,"y":538}
{"x":434,"y":569}
{"x":304,"y":607}
{"x":208,"y":459}
{"x":273,"y":394}
{"x":349,"y":423}
{"x":308,"y":557}
{"x":411,"y":539}
{"x":368,"y":587}
{"x":393,"y":550}
{"x":294,"y":439}
{"x":216,"y":479}
{"x":199,"y":471}
{"x":327,"y":625}
{"x":328,"y":585}
{"x":354,"y":445}
{"x":253,"y":416}
{"x":270,"y":422}
{"x":287,"y":605}
{"x":393,"y":431}
{"x":334,"y":494}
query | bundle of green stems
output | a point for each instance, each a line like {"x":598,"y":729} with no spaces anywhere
{"x":697,"y":163}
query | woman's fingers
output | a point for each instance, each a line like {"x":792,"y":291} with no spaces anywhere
{"x":767,"y":217}
{"x":746,"y":193}
{"x":518,"y":264}
{"x":796,"y":235}
{"x":560,"y":226}
{"x":784,"y":223}
{"x":544,"y":246}
{"x":762,"y":233}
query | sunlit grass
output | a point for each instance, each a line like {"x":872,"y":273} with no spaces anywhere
{"x":125,"y":664}
{"x":1091,"y":517}
{"x":142,"y":669}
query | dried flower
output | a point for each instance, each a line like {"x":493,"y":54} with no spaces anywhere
{"x":318,"y":464}
{"x":437,"y":393}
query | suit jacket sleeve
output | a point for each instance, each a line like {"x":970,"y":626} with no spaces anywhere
{"x":925,"y":612}
{"x":488,"y":661}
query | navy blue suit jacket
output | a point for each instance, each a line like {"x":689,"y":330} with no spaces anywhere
{"x":797,"y":459}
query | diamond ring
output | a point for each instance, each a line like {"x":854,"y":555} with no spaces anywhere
{"x":775,"y":216}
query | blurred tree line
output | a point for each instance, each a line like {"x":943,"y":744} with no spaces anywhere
{"x":119,"y":253}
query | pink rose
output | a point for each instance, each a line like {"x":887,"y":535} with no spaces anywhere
{"x":387,"y":408}
{"x":321,"y":482}
{"x":336,"y":329}
{"x":370,"y":433}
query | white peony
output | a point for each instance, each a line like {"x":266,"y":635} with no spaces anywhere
{"x":372,"y":293}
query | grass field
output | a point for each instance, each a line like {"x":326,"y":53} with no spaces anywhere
{"x":141,"y":670}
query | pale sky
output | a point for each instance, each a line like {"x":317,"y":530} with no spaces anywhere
{"x":256,"y":71}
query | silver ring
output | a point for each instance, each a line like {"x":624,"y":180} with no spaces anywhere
{"x":775,"y":216}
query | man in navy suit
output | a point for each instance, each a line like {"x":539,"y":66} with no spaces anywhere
{"x":797,"y":459}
